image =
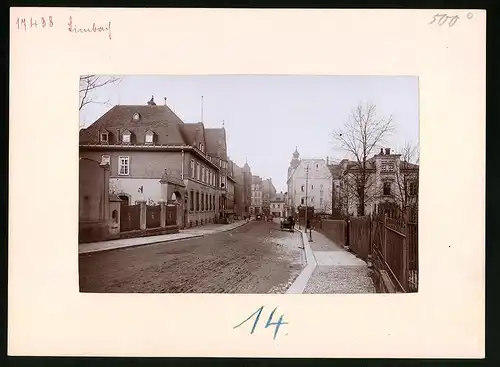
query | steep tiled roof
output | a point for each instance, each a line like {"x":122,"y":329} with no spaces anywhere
{"x":408,"y":165}
{"x":256,"y":180}
{"x":335,"y":170}
{"x":191,"y":131}
{"x":216,"y":142}
{"x":268,"y":185}
{"x":160,"y":119}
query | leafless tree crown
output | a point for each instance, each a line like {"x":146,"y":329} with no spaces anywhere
{"x":406,"y":194}
{"x":363,"y":132}
{"x":89,"y":84}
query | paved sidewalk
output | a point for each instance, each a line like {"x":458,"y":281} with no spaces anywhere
{"x":85,"y":248}
{"x":334,"y":269}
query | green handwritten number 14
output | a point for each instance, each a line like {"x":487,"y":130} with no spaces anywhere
{"x":269,"y":322}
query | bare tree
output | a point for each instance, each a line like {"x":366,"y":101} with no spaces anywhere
{"x":363,"y":132}
{"x":89,"y":84}
{"x":406,"y":180}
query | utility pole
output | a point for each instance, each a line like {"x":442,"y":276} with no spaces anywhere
{"x":307,"y":184}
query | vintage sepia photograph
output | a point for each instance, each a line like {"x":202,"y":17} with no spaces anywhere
{"x":248,"y":184}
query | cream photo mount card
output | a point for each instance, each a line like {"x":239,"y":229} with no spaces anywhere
{"x":202,"y":192}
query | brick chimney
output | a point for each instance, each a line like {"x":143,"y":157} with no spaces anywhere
{"x":381,"y":151}
{"x":387,"y":151}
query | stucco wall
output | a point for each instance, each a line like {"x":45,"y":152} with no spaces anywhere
{"x":151,"y":188}
{"x":92,"y":186}
{"x":143,"y":164}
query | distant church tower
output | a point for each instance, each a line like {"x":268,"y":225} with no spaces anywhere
{"x":294,"y":163}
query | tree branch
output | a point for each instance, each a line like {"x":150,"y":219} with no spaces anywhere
{"x":91,"y":83}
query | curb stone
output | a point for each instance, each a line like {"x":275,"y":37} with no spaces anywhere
{"x":159,"y":241}
{"x":300,"y":283}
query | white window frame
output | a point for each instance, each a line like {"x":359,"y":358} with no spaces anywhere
{"x":203,"y":174}
{"x":106,"y":134}
{"x":198,"y":171}
{"x":192,"y":168}
{"x":126,"y":137}
{"x":120,"y":165}
{"x":148,"y":139}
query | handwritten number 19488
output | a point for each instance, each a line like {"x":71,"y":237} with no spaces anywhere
{"x":27,"y":23}
{"x":269,"y":322}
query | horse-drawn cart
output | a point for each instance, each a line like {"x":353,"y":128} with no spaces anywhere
{"x":286,"y":224}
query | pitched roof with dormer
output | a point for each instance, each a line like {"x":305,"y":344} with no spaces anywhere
{"x":167,"y":127}
{"x":159,"y":119}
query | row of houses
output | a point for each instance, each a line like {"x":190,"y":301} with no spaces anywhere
{"x":262,"y":192}
{"x":386,"y":180}
{"x":154,"y":156}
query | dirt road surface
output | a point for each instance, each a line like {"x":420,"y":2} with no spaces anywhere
{"x":254,"y":258}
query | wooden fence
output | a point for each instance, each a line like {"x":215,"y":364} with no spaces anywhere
{"x":391,"y":244}
{"x":153,"y":215}
{"x":130,"y":217}
{"x":359,"y":236}
{"x":171,"y":214}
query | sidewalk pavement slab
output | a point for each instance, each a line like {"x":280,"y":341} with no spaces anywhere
{"x":333,"y":269}
{"x":85,"y":248}
{"x":340,"y":280}
{"x":300,"y":283}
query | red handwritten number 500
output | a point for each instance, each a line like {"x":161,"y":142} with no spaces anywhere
{"x":23,"y":23}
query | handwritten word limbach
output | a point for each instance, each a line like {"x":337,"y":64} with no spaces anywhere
{"x":34,"y":22}
{"x":94,"y":29}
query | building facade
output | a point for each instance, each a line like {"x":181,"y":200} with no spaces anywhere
{"x":153,"y":155}
{"x":257,"y":195}
{"x":309,"y":183}
{"x":391,"y":184}
{"x":268,"y":192}
{"x":242,"y":190}
{"x":231,"y":190}
{"x":278,"y":205}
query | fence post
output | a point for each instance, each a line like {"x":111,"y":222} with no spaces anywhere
{"x":347,"y":234}
{"x":405,"y":251}
{"x":143,"y":214}
{"x":384,"y":236}
{"x":163,"y":213}
{"x":370,"y":242}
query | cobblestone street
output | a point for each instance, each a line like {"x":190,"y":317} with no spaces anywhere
{"x":255,"y":258}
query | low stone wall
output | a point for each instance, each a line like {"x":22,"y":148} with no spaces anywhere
{"x":334,"y":230}
{"x":93,"y":231}
{"x":149,"y":232}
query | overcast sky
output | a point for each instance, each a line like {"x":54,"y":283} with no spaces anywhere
{"x":267,"y":116}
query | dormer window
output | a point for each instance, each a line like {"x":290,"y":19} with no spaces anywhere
{"x":149,"y":138}
{"x":201,"y":147}
{"x":105,"y":137}
{"x":126,"y":135}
